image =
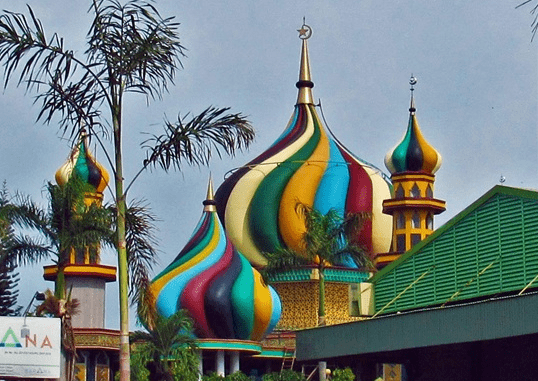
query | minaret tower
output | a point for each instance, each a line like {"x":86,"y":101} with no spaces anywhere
{"x":84,"y":273}
{"x":412,"y":164}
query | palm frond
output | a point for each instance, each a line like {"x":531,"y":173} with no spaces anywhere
{"x":28,"y":250}
{"x":533,"y":11}
{"x":139,"y":46}
{"x":195,"y":140}
{"x":280,"y":261}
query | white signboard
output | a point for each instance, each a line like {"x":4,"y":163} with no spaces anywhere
{"x":30,"y":348}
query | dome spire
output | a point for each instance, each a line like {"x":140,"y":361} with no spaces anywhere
{"x":305,"y":83}
{"x":412,"y":82}
{"x":209,"y":202}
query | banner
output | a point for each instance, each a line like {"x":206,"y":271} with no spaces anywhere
{"x":30,"y":347}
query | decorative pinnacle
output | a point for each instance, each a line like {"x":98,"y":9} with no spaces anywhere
{"x":209,"y":203}
{"x":305,"y":32}
{"x":412,"y":81}
{"x":305,"y":83}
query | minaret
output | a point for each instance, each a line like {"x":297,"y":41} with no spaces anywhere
{"x":412,"y":163}
{"x":84,"y":273}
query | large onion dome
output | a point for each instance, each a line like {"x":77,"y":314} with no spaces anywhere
{"x":307,"y":164}
{"x":83,"y":164}
{"x":413,"y":152}
{"x":223,"y":293}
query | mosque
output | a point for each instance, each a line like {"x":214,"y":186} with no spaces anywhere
{"x":243,"y":324}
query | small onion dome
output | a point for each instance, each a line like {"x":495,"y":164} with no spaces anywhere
{"x":85,"y":166}
{"x":224,"y":294}
{"x":413,"y":153}
{"x":258,"y":202}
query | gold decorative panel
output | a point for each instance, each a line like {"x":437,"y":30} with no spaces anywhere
{"x":300,"y":304}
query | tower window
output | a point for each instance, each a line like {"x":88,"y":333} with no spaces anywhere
{"x":400,"y":243}
{"x":429,"y":191}
{"x":399,"y":192}
{"x":415,"y":238}
{"x":415,"y":191}
{"x":400,"y":221}
{"x":429,"y":221}
{"x":415,"y":220}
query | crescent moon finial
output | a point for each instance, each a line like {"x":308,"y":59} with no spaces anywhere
{"x":305,"y":32}
{"x":413,"y":81}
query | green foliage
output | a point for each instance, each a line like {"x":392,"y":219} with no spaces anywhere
{"x":236,"y":376}
{"x":285,"y":375}
{"x":185,"y":365}
{"x":9,"y":279}
{"x":345,"y":374}
{"x":213,"y":376}
{"x":168,"y":345}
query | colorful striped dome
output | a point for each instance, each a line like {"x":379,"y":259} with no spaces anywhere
{"x":413,"y":153}
{"x":308,"y":165}
{"x":223,"y":293}
{"x":82,"y":163}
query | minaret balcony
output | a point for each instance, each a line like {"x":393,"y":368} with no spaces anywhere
{"x":431,"y":204}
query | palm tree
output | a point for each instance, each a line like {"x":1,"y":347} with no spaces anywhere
{"x":63,"y":307}
{"x":70,"y":225}
{"x":166,"y":340}
{"x":131,"y":48}
{"x":327,"y":240}
{"x":67,"y":225}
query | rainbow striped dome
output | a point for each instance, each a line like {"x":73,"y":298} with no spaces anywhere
{"x":81,"y":162}
{"x":308,"y":165}
{"x":223,"y":293}
{"x":413,"y":152}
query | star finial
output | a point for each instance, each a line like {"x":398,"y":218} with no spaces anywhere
{"x":305,"y":32}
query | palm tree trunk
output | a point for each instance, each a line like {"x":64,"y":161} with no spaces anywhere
{"x":321,"y":309}
{"x":125,"y":369}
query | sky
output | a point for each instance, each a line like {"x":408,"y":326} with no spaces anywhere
{"x":476,"y":97}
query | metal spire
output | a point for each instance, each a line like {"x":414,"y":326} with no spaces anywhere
{"x":305,"y":83}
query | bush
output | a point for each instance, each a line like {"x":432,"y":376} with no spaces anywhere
{"x":285,"y":375}
{"x":342,"y":375}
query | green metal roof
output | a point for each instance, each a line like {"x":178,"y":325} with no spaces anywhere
{"x":506,"y":317}
{"x":490,"y":247}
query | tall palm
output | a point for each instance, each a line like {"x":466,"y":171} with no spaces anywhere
{"x":131,"y":48}
{"x":328,"y":239}
{"x":164,"y":341}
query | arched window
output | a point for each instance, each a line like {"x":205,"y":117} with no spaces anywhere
{"x":415,"y":221}
{"x":429,"y":221}
{"x":429,"y":191}
{"x":415,"y":191}
{"x":399,"y":192}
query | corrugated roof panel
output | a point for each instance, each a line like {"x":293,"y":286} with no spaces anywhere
{"x":490,"y":247}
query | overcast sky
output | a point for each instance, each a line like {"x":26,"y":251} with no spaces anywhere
{"x":476,"y":96}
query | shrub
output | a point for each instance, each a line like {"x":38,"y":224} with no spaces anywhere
{"x":342,"y":375}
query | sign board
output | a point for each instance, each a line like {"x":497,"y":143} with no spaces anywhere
{"x":30,"y":347}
